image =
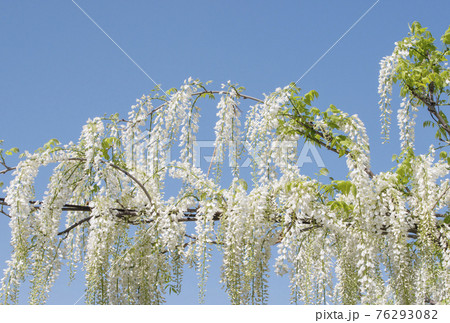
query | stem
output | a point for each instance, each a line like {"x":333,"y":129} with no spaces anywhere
{"x":127,"y":174}
{"x":431,"y":105}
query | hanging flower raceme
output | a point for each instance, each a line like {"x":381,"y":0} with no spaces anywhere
{"x":227,"y":131}
{"x":138,"y":206}
{"x":389,"y":67}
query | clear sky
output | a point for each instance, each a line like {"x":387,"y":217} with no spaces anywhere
{"x":58,"y":69}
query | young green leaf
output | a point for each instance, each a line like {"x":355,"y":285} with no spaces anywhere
{"x":324,"y":171}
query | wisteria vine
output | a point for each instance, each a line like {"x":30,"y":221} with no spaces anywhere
{"x":368,"y":239}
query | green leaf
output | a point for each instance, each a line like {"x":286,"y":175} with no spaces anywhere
{"x":105,"y":154}
{"x":446,"y":37}
{"x":336,"y":205}
{"x":447,"y":219}
{"x":333,"y":108}
{"x":443,"y":154}
{"x":315,"y":111}
{"x":307,"y":100}
{"x":13,"y":150}
{"x":324,"y":171}
{"x":109,"y":142}
{"x":51,"y":144}
{"x":289,"y":187}
{"x":327,"y":189}
{"x":243,"y":183}
{"x":344,"y":186}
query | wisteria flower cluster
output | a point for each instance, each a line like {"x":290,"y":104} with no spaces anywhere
{"x":366,"y":239}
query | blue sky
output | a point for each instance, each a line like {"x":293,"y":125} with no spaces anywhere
{"x":58,"y":69}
